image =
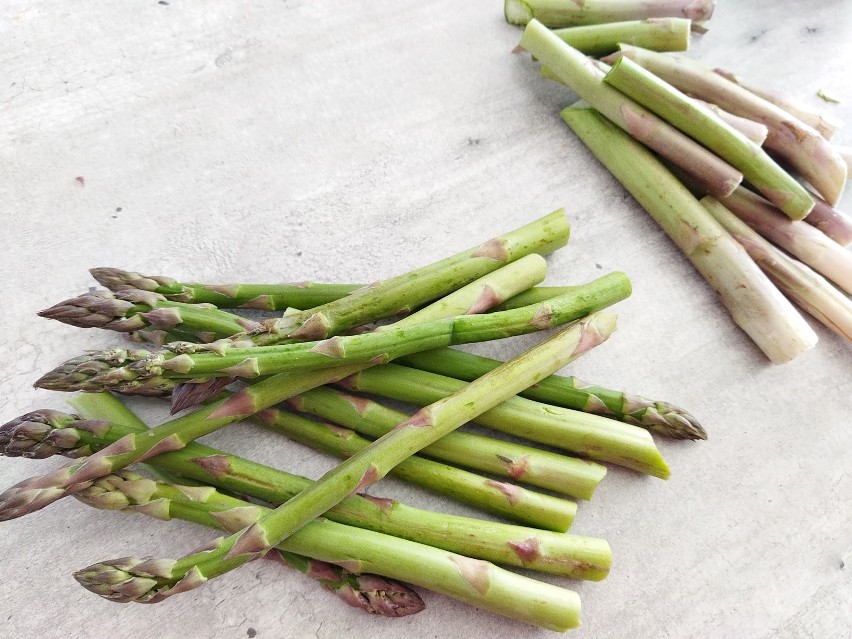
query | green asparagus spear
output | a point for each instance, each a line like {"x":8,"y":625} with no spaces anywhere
{"x":567,"y":13}
{"x":567,"y":475}
{"x":470,"y":580}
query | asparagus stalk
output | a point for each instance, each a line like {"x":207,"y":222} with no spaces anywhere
{"x":804,"y":241}
{"x":657,"y":34}
{"x":508,"y":500}
{"x":157,"y":579}
{"x":794,"y":141}
{"x":752,"y":300}
{"x":658,"y":417}
{"x":588,"y":435}
{"x":825,"y":124}
{"x":805,"y":287}
{"x":845,"y":152}
{"x":677,"y":109}
{"x":568,"y":555}
{"x":535,"y":295}
{"x":266,"y":297}
{"x":127,"y":370}
{"x":473,"y":581}
{"x":834,"y":223}
{"x":133,"y":493}
{"x":566,"y":475}
{"x":754,"y":131}
{"x":275,"y":296}
{"x":567,"y":13}
{"x":132,"y":310}
{"x":585,"y":78}
{"x":412,"y":289}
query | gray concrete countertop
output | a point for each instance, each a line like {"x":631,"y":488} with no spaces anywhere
{"x":283,"y":140}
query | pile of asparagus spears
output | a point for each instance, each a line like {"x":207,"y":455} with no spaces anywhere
{"x":295,"y":374}
{"x":673,"y":130}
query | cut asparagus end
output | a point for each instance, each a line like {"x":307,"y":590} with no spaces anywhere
{"x":517,"y":12}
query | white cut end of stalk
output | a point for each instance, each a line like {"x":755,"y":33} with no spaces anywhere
{"x":517,"y":12}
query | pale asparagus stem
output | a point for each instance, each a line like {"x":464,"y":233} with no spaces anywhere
{"x":483,"y":294}
{"x":802,"y":240}
{"x":658,"y":417}
{"x":795,"y":142}
{"x":679,"y":110}
{"x":410,"y":290}
{"x":657,"y":34}
{"x":834,"y":223}
{"x":132,"y":310}
{"x":754,"y":131}
{"x":752,"y":300}
{"x":267,"y":297}
{"x":562,"y":554}
{"x":193,"y":501}
{"x":568,"y":13}
{"x":587,"y":435}
{"x":157,"y":579}
{"x":119,"y":369}
{"x":501,"y":498}
{"x":567,"y":475}
{"x":825,"y":124}
{"x":472,"y":581}
{"x":805,"y":287}
{"x":585,"y":78}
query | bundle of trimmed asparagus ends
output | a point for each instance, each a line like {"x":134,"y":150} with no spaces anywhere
{"x":673,"y":130}
{"x":312,"y":375}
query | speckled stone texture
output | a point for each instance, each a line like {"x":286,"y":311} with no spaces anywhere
{"x":289,"y":140}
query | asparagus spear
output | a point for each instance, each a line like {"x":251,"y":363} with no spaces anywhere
{"x":794,"y":141}
{"x":825,"y":124}
{"x":275,"y":296}
{"x":569,"y":476}
{"x":657,"y":34}
{"x":679,"y":110}
{"x":567,"y":13}
{"x":412,"y":289}
{"x":752,"y":300}
{"x":134,"y":493}
{"x":267,"y":297}
{"x":508,"y":500}
{"x":804,"y":241}
{"x":568,"y":555}
{"x":132,"y":310}
{"x":475,"y":582}
{"x":805,"y":287}
{"x":127,"y":370}
{"x":658,"y":417}
{"x":585,"y":78}
{"x":157,"y":579}
{"x":588,"y":435}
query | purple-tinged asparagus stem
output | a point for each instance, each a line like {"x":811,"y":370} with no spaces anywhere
{"x":834,"y":223}
{"x":156,"y":579}
{"x":585,"y":78}
{"x":805,"y":287}
{"x":569,"y":13}
{"x":825,"y":124}
{"x":754,"y":131}
{"x":754,"y":303}
{"x":795,"y":142}
{"x":809,"y":244}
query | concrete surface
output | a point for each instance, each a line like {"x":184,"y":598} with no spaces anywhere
{"x":286,"y":140}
